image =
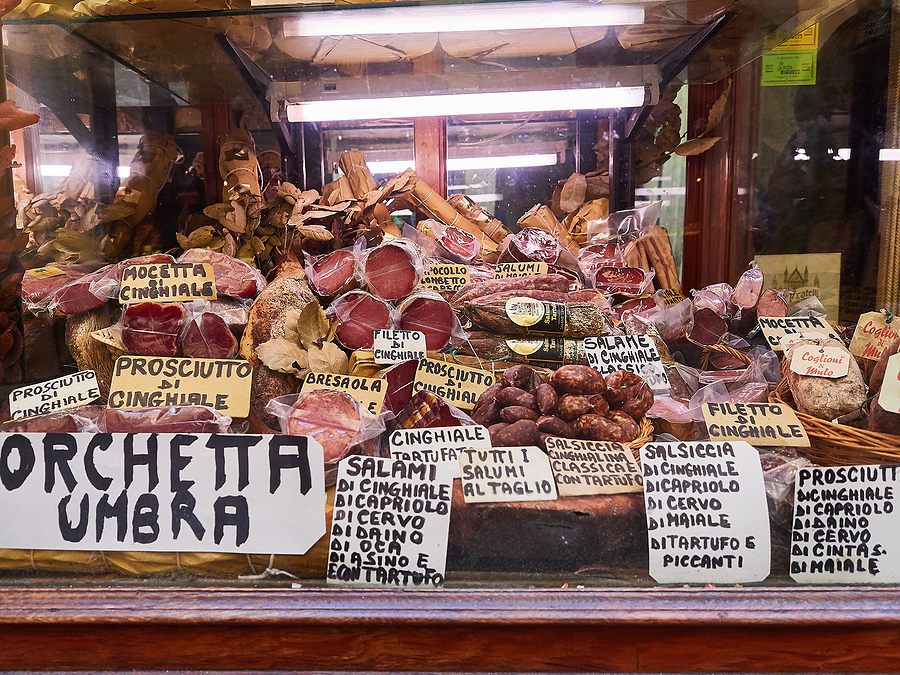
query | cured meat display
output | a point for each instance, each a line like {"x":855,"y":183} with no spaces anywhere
{"x":392,"y":270}
{"x":571,"y":342}
{"x":357,"y":314}
{"x":153,"y":329}
{"x":208,"y":336}
{"x":233,"y":277}
{"x":429,"y":313}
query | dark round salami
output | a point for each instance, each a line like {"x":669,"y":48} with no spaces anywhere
{"x":428,"y":312}
{"x":359,"y":314}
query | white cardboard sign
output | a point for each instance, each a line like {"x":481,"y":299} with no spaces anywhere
{"x":635,"y":353}
{"x":216,"y":493}
{"x":396,"y":346}
{"x":68,"y":391}
{"x":846,"y":527}
{"x":439,"y":445}
{"x":506,"y":475}
{"x":707,"y":517}
{"x":592,"y":467}
{"x":391,"y":523}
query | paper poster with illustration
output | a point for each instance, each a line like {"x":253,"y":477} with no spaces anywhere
{"x":807,"y":275}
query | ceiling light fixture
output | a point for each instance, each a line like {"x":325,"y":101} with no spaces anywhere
{"x":462,"y":18}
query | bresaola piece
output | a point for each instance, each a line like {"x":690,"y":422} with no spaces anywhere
{"x":152,"y":329}
{"x":332,"y":274}
{"x":36,"y":292}
{"x":358,"y":314}
{"x":392,"y":270}
{"x":428,"y":312}
{"x":400,"y":378}
{"x":233,"y":277}
{"x":208,"y":337}
{"x":329,"y":416}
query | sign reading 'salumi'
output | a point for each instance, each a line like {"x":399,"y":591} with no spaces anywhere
{"x":390,"y":524}
{"x":846,"y":525}
{"x":707,"y":516}
{"x":161,"y":492}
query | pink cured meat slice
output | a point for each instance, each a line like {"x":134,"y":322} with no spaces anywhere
{"x":771,"y":303}
{"x":152,"y":329}
{"x":35,"y":291}
{"x":431,"y":314}
{"x":708,"y":328}
{"x":233,"y":276}
{"x":400,"y":378}
{"x":189,"y":419}
{"x":390,"y":271}
{"x":359,"y":313}
{"x":329,"y":416}
{"x":332,"y":273}
{"x":208,"y":337}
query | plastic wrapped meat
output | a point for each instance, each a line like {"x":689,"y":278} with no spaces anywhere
{"x":332,"y":274}
{"x":428,"y":312}
{"x":153,"y":329}
{"x":233,"y":277}
{"x":331,"y":417}
{"x":392,"y":270}
{"x":359,"y":314}
{"x":208,"y":337}
{"x":189,"y":419}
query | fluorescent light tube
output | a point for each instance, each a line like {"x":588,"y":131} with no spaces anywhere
{"x":440,"y":105}
{"x":462,"y":18}
{"x":63,"y":170}
{"x":470,"y":163}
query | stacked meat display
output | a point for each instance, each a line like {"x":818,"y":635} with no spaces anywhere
{"x":529,"y":298}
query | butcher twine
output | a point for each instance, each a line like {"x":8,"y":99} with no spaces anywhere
{"x":431,"y":212}
{"x":270,"y":571}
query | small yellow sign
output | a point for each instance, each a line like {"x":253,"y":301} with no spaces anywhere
{"x":44,"y":272}
{"x":458,"y":385}
{"x":167,"y":282}
{"x":756,"y":423}
{"x":159,"y":381}
{"x":592,"y":467}
{"x":369,"y":392}
{"x":805,"y":39}
{"x":520,"y":269}
{"x":446,"y":277}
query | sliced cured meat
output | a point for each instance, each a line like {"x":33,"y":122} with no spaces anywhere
{"x":332,"y":274}
{"x":426,"y":409}
{"x":400,"y":378}
{"x":358,"y":314}
{"x":77,"y":297}
{"x":233,"y":276}
{"x":428,"y":312}
{"x":189,"y":419}
{"x":459,"y":245}
{"x":68,"y":421}
{"x":392,"y":270}
{"x":329,"y":416}
{"x":708,"y":328}
{"x":772,"y":302}
{"x":152,"y":329}
{"x":37,"y":290}
{"x":208,"y":337}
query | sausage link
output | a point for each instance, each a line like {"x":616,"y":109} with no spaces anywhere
{"x":523,"y":432}
{"x":516,"y":396}
{"x":514,"y":413}
{"x":572,"y":406}
{"x":546,"y":398}
{"x":575,"y":379}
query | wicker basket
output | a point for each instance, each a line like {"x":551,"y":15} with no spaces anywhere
{"x":839,"y":444}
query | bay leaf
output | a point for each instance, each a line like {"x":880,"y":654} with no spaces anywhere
{"x":573,"y":192}
{"x":329,"y":358}
{"x":717,"y":112}
{"x":312,"y":325}
{"x":283,"y":356}
{"x":696,"y":146}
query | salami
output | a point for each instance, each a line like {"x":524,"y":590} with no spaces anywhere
{"x":330,"y":417}
{"x":208,"y":337}
{"x":358,"y":314}
{"x":537,"y":282}
{"x":332,"y":274}
{"x":428,"y":312}
{"x":189,"y":419}
{"x":749,"y":287}
{"x":233,"y":276}
{"x":392,"y":270}
{"x":538,"y":317}
{"x":152,"y":329}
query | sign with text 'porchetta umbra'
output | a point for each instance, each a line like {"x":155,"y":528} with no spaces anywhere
{"x":161,"y":492}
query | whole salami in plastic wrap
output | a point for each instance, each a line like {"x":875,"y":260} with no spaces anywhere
{"x":749,"y":287}
{"x":428,"y":312}
{"x":189,"y":419}
{"x":208,"y":337}
{"x":358,"y":314}
{"x":392,"y":270}
{"x":540,"y":246}
{"x":332,"y":274}
{"x":152,"y":329}
{"x":233,"y":276}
